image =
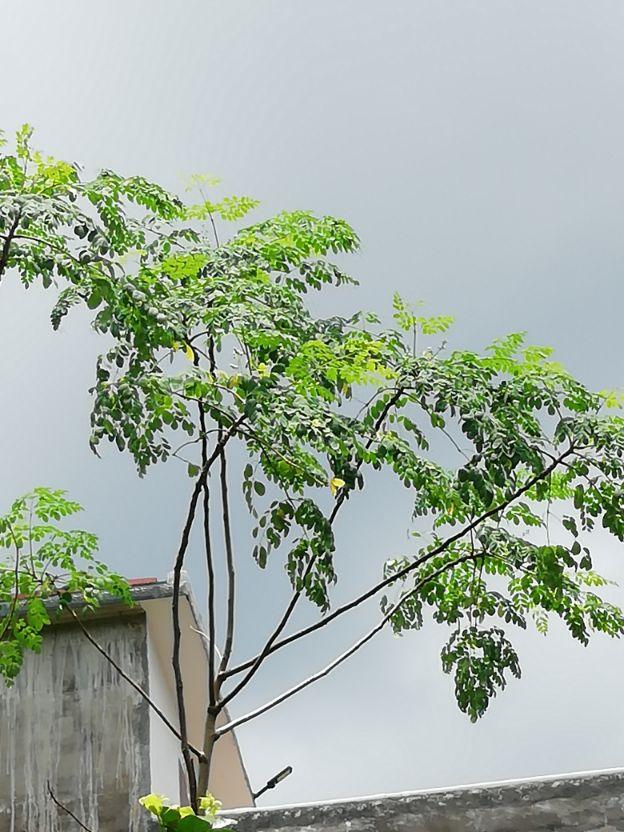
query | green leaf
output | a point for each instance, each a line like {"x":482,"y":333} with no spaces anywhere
{"x":193,"y":823}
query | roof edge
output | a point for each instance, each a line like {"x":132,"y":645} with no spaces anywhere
{"x":494,"y":784}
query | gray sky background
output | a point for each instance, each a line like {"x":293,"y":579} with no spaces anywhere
{"x":478,"y":149}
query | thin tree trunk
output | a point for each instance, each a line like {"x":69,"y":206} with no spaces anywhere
{"x":210,"y":736}
{"x":175,"y":609}
{"x":210,"y":739}
{"x":231,"y":571}
{"x":204,"y":769}
{"x":177,"y":637}
{"x":209,"y":559}
{"x":211,"y":597}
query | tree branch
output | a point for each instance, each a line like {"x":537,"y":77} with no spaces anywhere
{"x":255,"y":663}
{"x":211,"y":595}
{"x":175,"y":608}
{"x":16,"y":574}
{"x":322,"y":622}
{"x":211,"y":711}
{"x":209,"y":738}
{"x":63,"y":808}
{"x":133,"y":684}
{"x":343,"y":656}
{"x":177,"y":635}
{"x":212,"y":635}
{"x":231,"y":572}
{"x":8,"y":239}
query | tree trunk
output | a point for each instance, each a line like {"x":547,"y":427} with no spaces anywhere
{"x":209,"y":743}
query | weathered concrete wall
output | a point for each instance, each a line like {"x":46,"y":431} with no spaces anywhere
{"x":574,"y":803}
{"x":72,"y":720}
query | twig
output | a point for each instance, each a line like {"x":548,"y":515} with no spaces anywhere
{"x":11,"y":613}
{"x":67,"y":811}
{"x":133,"y":683}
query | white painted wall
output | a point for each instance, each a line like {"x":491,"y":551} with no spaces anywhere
{"x":164,"y":747}
{"x":228,"y":780}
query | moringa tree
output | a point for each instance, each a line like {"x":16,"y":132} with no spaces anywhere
{"x":212,"y":344}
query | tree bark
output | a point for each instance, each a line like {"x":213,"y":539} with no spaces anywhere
{"x":6,"y":248}
{"x":210,"y":738}
{"x":177,"y":638}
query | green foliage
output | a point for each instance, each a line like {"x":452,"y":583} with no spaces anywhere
{"x":46,"y":568}
{"x":407,"y":319}
{"x":217,"y":331}
{"x":230,"y":208}
{"x":479,"y":658}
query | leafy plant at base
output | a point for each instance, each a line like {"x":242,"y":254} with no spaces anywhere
{"x":183,"y":818}
{"x":214,"y":343}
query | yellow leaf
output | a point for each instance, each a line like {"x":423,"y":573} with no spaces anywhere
{"x":335,"y":484}
{"x":188,"y":352}
{"x":209,"y":805}
{"x":612,"y":398}
{"x":154,"y":803}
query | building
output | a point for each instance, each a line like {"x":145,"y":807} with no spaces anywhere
{"x":72,"y":721}
{"x":585,"y":802}
{"x":73,"y":725}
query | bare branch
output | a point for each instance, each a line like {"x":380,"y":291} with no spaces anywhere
{"x":211,"y":594}
{"x":67,"y":811}
{"x":343,"y":656}
{"x":231,"y":572}
{"x":212,"y":633}
{"x":211,"y":711}
{"x":133,"y":684}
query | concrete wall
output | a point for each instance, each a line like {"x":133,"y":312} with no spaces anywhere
{"x":72,"y":720}
{"x":572,"y":803}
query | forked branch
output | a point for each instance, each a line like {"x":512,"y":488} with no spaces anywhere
{"x":323,"y":622}
{"x":229,"y":726}
{"x":268,"y":647}
{"x":200,"y":484}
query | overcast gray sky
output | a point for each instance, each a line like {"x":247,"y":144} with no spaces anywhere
{"x":478,"y":149}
